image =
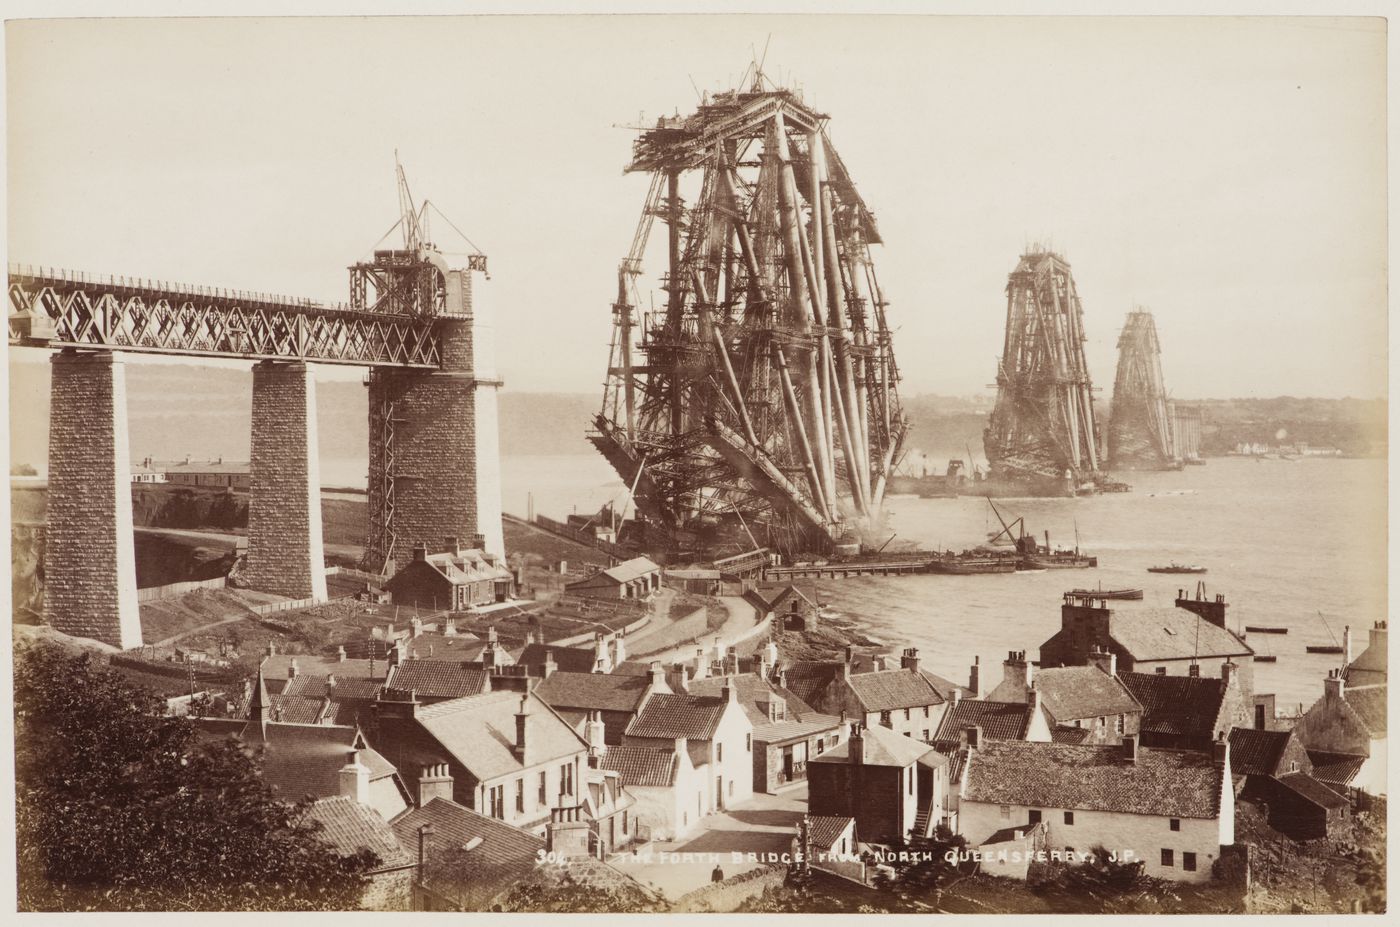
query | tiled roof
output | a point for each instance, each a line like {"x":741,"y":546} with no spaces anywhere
{"x":1149,"y":633}
{"x":824,"y":830}
{"x":639,"y":765}
{"x":754,"y":694}
{"x":893,"y":689}
{"x":1067,"y":734}
{"x":1072,"y":693}
{"x":690,"y":716}
{"x":809,"y":678}
{"x":1177,"y":705}
{"x":278,"y":666}
{"x":1369,"y":705}
{"x":779,"y":731}
{"x":600,"y":691}
{"x":569,"y":659}
{"x":1174,"y":783}
{"x":439,"y":678}
{"x":998,"y":720}
{"x":297,"y":709}
{"x":1256,"y":753}
{"x":879,"y":747}
{"x":350,"y":827}
{"x":944,"y":687}
{"x":1314,"y":791}
{"x":479,"y":731}
{"x":1336,"y":768}
{"x":311,"y":686}
{"x":628,"y":570}
{"x":499,"y":856}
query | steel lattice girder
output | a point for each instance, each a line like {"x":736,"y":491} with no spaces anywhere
{"x":53,"y":308}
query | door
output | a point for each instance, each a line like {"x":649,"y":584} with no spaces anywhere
{"x":719,"y":793}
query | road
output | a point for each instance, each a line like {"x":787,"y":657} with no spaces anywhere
{"x":742,"y":617}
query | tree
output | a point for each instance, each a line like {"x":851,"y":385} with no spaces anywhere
{"x":119,"y":807}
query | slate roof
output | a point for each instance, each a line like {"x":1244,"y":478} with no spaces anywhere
{"x":998,"y":720}
{"x":824,"y":830}
{"x":471,"y":878}
{"x":568,"y":659}
{"x":1177,"y":705}
{"x":479,"y":731}
{"x":305,"y":759}
{"x":1165,"y":783}
{"x":440,"y":678}
{"x":632,"y":668}
{"x":693,"y":717}
{"x":1008,"y":834}
{"x":1368,"y":669}
{"x":776,"y":732}
{"x":809,"y":678}
{"x":1149,"y":633}
{"x":1314,"y":791}
{"x":1071,"y":693}
{"x":640,"y":765}
{"x":944,"y":687}
{"x":1369,"y":705}
{"x":1256,"y":753}
{"x":1068,"y":734}
{"x":893,"y":689}
{"x":628,"y":570}
{"x":754,"y":693}
{"x":879,"y":747}
{"x":350,"y":827}
{"x":1335,"y":768}
{"x":599,"y":691}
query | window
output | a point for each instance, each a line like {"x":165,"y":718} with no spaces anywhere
{"x":1293,"y":766}
{"x":906,"y":714}
{"x":520,"y":796}
{"x":925,"y":711}
{"x":624,"y":822}
{"x":885,"y":719}
{"x":925,"y":734}
{"x":909,"y":775}
{"x":1035,"y":815}
{"x":719,"y":753}
{"x":1188,"y":861}
{"x":1120,"y":727}
{"x":1006,"y":811}
{"x":1161,"y":671}
{"x":1167,"y":858}
{"x":821,"y":745}
{"x":1176,"y":824}
{"x":748,"y":742}
{"x":566,"y":779}
{"x":731,"y":788}
{"x":498,"y":802}
{"x":1069,"y":817}
{"x":1100,"y":724}
{"x":544,"y":789}
{"x":1078,"y":722}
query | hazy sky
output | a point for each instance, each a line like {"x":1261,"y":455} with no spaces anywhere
{"x":1227,"y":173}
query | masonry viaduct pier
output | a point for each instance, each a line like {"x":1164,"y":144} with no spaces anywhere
{"x":434,"y":458}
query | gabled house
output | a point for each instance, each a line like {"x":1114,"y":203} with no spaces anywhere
{"x":1187,"y":712}
{"x":276,"y":668}
{"x":668,"y":790}
{"x":631,"y":579}
{"x":455,"y":579}
{"x":433,"y":681}
{"x":469,"y":860}
{"x":889,"y":783}
{"x":787,"y":732}
{"x":1173,"y":641}
{"x":902,"y":700}
{"x":718,"y":735}
{"x":1173,"y":809}
{"x":607,"y":653}
{"x":617,"y":697}
{"x":1368,"y":669}
{"x":993,"y":721}
{"x":1350,"y":721}
{"x":331,"y":699}
{"x":351,"y":827}
{"x":505,"y":754}
{"x":1089,"y":699}
{"x":1274,"y":769}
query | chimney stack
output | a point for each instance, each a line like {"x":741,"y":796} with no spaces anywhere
{"x":272,"y":647}
{"x":420,"y":553}
{"x":1016,"y":671}
{"x":1033,"y":700}
{"x":522,"y":723}
{"x":1193,"y":670}
{"x":619,"y":654}
{"x":1104,"y":660}
{"x":1130,"y":747}
{"x":909,"y":660}
{"x":292,"y":669}
{"x":1346,"y":646}
{"x":354,"y":778}
{"x":658,"y":676}
{"x":729,"y":692}
{"x":415,"y":625}
{"x":1333,"y":687}
{"x":549,"y":665}
{"x":1220,"y":751}
{"x":855,"y":753}
{"x":1227,"y":673}
{"x":702,"y":665}
{"x":449,"y":628}
{"x":595,"y":734}
{"x":340,"y":653}
{"x":434,"y":782}
{"x":974,"y":682}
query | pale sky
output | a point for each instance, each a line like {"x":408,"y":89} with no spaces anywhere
{"x":1227,"y":173}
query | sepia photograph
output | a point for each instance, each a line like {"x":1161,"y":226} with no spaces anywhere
{"x":849,"y":463}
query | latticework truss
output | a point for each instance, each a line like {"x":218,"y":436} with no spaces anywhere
{"x":1140,"y":431}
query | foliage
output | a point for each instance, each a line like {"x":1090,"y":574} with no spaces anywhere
{"x":121,"y":808}
{"x":926,"y":871}
{"x":566,"y":895}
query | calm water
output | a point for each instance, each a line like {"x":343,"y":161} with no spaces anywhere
{"x":1299,"y":544}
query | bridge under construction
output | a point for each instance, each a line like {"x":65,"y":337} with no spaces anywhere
{"x":755,"y":403}
{"x":1141,"y":431}
{"x":1042,"y":438}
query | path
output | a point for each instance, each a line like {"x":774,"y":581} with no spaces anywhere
{"x":742,"y":617}
{"x":204,"y":627}
{"x":351,"y":551}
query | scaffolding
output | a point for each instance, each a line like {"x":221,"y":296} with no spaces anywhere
{"x":1141,"y":432}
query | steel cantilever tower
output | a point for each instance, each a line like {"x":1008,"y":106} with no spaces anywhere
{"x":756,"y":403}
{"x":1141,"y":430}
{"x":1042,"y":438}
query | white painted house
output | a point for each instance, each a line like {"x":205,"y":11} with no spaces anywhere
{"x":1173,"y":809}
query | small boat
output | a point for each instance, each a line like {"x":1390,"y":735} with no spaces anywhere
{"x":1176,"y":568}
{"x":1257,"y":629}
{"x":1324,"y":648}
{"x":1134,"y":594}
{"x":1265,"y":658}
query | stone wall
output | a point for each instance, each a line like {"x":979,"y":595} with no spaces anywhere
{"x":285,"y":551}
{"x":89,"y":557}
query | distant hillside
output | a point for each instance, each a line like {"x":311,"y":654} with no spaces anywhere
{"x":1357,"y":426}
